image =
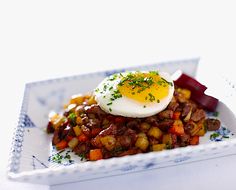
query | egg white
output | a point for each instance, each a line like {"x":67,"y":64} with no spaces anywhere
{"x":127,"y":107}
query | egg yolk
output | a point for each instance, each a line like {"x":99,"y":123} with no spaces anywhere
{"x":144,"y":87}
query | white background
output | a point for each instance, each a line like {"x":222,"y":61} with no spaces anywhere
{"x":48,"y":39}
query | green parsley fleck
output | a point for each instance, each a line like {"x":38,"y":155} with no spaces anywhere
{"x":109,"y":103}
{"x":214,"y":135}
{"x":216,"y":113}
{"x":151,"y":97}
{"x":72,"y":118}
{"x":154,"y":72}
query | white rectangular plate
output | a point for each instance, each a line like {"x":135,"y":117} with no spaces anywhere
{"x":31,"y":149}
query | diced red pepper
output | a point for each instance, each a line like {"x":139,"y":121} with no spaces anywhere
{"x":68,"y":138}
{"x":194,"y":140}
{"x":95,"y":131}
{"x":95,"y":154}
{"x":82,"y":138}
{"x":176,"y":115}
{"x":177,"y":129}
{"x":119,"y":120}
{"x":61,"y":145}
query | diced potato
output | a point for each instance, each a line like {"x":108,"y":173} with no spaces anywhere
{"x":178,"y":122}
{"x":77,"y":99}
{"x":155,"y":132}
{"x":142,"y":135}
{"x":56,"y":119}
{"x":177,"y":128}
{"x":95,"y":154}
{"x":142,"y":141}
{"x":91,"y":100}
{"x":144,"y":126}
{"x":158,"y":147}
{"x":202,"y":127}
{"x":167,"y":139}
{"x":186,"y":93}
{"x":73,"y":143}
{"x":188,"y":116}
{"x":196,"y":128}
{"x":79,"y":120}
{"x":108,"y":141}
{"x":77,"y":130}
{"x":71,"y":108}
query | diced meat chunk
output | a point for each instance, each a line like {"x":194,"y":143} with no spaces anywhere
{"x":198,"y":115}
{"x":212,"y":124}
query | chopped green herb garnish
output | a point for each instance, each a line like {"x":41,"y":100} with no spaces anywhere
{"x":144,"y":106}
{"x":72,"y":119}
{"x":151,"y":97}
{"x":113,"y":77}
{"x":214,"y":135}
{"x":82,"y":156}
{"x":154,"y":72}
{"x":216,"y":113}
{"x":109,"y":103}
{"x":225,"y":137}
{"x":110,"y":109}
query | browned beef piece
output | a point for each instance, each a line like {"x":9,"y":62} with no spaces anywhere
{"x":111,"y":130}
{"x":79,"y":110}
{"x":188,"y":127}
{"x":184,"y":140}
{"x":133,"y":124}
{"x":173,"y":106}
{"x":153,"y":141}
{"x":82,"y":148}
{"x":85,"y":130}
{"x":96,"y":142}
{"x":125,"y":141}
{"x":50,"y":128}
{"x":95,"y":109}
{"x":121,"y":129}
{"x":198,"y":115}
{"x":151,"y":120}
{"x":186,"y":109}
{"x":132,"y":134}
{"x":166,"y":114}
{"x":56,"y":137}
{"x":165,"y":125}
{"x":130,"y":152}
{"x":212,"y":124}
{"x":174,"y":138}
{"x":93,"y":123}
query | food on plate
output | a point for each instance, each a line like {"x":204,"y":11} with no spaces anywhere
{"x":130,"y":113}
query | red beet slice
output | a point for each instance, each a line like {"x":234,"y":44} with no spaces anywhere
{"x":185,"y":81}
{"x":207,"y":102}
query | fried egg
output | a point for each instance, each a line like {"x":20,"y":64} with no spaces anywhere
{"x":135,"y":94}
